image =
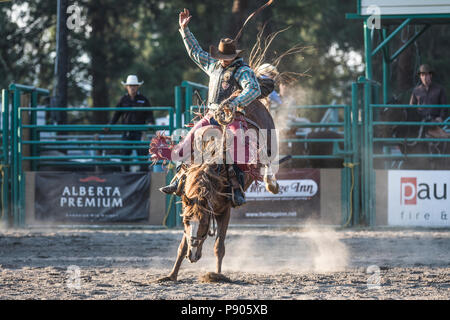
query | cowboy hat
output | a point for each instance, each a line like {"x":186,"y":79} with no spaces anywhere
{"x":225,"y":51}
{"x":425,"y":68}
{"x":132,"y":80}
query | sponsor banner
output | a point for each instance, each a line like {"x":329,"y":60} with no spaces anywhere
{"x":299,"y":198}
{"x":419,"y":198}
{"x":289,"y":190}
{"x":86,"y":197}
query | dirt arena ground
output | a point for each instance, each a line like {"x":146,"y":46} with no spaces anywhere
{"x":262,"y":263}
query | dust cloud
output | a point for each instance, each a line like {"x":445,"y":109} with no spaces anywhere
{"x":294,"y":96}
{"x":3,"y":225}
{"x":311,"y":249}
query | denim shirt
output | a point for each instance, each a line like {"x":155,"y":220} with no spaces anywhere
{"x":244,"y":76}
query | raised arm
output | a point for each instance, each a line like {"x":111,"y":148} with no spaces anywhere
{"x":196,"y":53}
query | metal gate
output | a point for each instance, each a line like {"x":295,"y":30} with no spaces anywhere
{"x":359,"y":120}
{"x":14,"y":142}
{"x":350,"y":183}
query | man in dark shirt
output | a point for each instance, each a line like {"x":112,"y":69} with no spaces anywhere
{"x":430,"y":93}
{"x":133,"y":99}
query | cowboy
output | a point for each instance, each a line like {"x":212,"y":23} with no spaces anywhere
{"x":132,"y":99}
{"x":430,"y":93}
{"x":227,"y":72}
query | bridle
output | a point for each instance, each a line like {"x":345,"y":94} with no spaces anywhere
{"x":211,"y":217}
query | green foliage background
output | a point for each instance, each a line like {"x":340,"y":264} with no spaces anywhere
{"x":118,"y":38}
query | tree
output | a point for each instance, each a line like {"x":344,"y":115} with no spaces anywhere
{"x":62,"y":61}
{"x":238,"y":16}
{"x":141,"y":37}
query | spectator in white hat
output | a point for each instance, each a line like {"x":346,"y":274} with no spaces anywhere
{"x":133,"y":99}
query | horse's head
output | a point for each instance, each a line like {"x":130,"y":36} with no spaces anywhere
{"x":196,"y":229}
{"x":205,"y":196}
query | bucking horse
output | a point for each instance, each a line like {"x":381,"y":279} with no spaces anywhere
{"x":206,"y":204}
{"x":207,"y":192}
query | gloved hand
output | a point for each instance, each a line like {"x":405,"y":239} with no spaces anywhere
{"x":224,"y":115}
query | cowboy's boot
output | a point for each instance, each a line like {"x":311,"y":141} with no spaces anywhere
{"x":270,"y":181}
{"x":175,"y":187}
{"x":236,"y":180}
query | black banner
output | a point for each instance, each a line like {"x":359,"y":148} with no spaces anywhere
{"x":91,"y":197}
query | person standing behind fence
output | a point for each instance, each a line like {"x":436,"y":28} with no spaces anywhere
{"x":430,"y":93}
{"x":132,"y":99}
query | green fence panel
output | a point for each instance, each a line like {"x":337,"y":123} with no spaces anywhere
{"x":370,"y":108}
{"x":5,"y":159}
{"x":37,"y":145}
{"x":350,"y":181}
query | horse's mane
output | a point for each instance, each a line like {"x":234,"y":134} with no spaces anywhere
{"x":204,"y":190}
{"x":258,"y":56}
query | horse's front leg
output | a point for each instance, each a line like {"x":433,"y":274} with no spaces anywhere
{"x":219,"y":246}
{"x":182,"y":250}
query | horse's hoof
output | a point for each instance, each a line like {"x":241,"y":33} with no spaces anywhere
{"x":213,"y":277}
{"x":271,"y":184}
{"x":166,"y":279}
{"x":273,"y":188}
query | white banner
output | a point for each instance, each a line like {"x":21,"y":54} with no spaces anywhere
{"x":289,"y":189}
{"x":419,"y":198}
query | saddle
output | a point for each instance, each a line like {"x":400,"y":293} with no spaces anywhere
{"x":258,"y":118}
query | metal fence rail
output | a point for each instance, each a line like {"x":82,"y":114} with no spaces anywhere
{"x":18,"y":155}
{"x":38,"y":160}
{"x":183,"y":110}
{"x":372,"y":124}
{"x":350,"y":180}
{"x":4,"y":157}
{"x":355,"y":146}
{"x":350,"y":175}
{"x":17,"y":180}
